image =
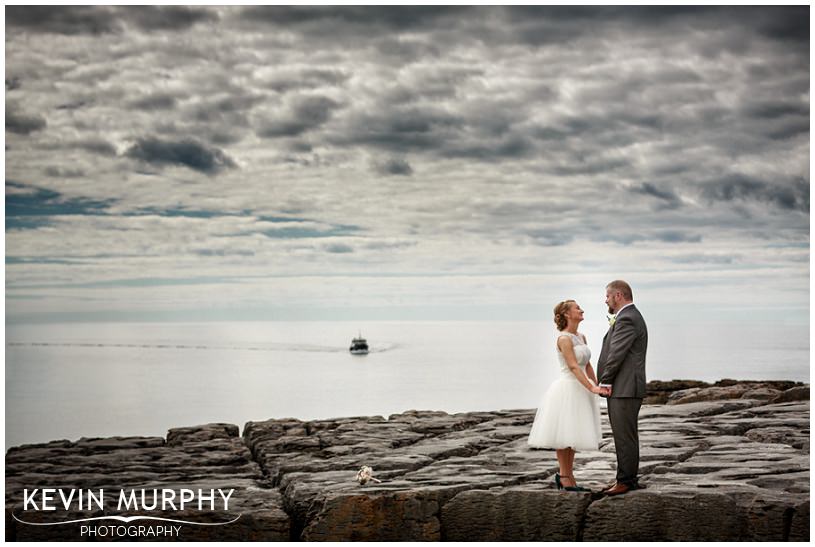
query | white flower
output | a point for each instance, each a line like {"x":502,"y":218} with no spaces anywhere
{"x":366,"y":474}
{"x":611,"y":320}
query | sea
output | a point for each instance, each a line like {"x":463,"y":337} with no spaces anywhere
{"x":73,"y":380}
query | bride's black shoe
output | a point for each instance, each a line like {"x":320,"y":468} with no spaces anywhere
{"x":574,"y":488}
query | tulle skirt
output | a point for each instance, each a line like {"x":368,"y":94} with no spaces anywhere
{"x":568,"y":417}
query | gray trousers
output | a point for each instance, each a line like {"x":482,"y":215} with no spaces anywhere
{"x":623,"y":413}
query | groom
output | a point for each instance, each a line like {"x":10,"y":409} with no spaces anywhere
{"x":621,"y":366}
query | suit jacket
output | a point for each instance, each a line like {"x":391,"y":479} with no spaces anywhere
{"x":622,"y":359}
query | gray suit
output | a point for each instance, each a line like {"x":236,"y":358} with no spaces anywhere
{"x":622,"y":364}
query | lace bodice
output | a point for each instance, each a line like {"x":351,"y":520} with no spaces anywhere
{"x":581,"y":351}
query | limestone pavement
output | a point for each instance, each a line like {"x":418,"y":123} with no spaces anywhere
{"x":729,"y":463}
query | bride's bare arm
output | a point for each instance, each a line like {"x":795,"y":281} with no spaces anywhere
{"x":589,"y":370}
{"x":590,"y":374}
{"x":567,"y":349}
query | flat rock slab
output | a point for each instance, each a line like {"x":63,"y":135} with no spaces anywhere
{"x":487,"y":482}
{"x":657,"y":515}
{"x":732,"y":469}
{"x":520,"y":513}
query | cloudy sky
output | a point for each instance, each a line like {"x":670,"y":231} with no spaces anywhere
{"x":405,"y":162}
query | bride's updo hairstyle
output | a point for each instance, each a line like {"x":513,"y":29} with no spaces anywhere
{"x":560,"y":313}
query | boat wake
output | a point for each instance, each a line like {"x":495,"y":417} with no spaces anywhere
{"x":169,"y":346}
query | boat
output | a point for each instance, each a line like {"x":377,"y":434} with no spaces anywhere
{"x":359,"y":346}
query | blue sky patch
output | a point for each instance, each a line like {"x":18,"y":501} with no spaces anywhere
{"x":189,"y":213}
{"x":281,"y":219}
{"x":37,"y":260}
{"x":133,"y":282}
{"x":299,"y":232}
{"x":31,"y":209}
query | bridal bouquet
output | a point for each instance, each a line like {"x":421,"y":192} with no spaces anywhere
{"x":366,"y":474}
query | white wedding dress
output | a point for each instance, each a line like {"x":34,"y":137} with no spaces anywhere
{"x":569,"y":414}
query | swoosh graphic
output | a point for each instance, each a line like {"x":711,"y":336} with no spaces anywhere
{"x":127,"y":519}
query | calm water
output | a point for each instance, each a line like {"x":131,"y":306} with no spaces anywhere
{"x":74,"y":380}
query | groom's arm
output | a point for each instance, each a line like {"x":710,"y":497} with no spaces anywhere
{"x":621,"y":339}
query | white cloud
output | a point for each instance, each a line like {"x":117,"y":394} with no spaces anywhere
{"x":452,"y":145}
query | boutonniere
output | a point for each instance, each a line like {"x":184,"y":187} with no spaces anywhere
{"x":611,"y":320}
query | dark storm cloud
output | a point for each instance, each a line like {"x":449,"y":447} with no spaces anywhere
{"x":308,"y":78}
{"x":668,"y":199}
{"x":548,"y":26}
{"x":584,"y":166}
{"x":499,"y":148}
{"x":158,"y":18}
{"x":13,"y":83}
{"x":790,"y":195}
{"x":778,"y":119}
{"x":306,"y":113}
{"x":220,"y":108}
{"x":225,"y":137}
{"x":219,"y":132}
{"x":300,"y":147}
{"x":187,"y":153}
{"x":156,"y":101}
{"x":406,"y":50}
{"x":704,"y":259}
{"x":76,"y":105}
{"x":62,"y":19}
{"x":394,"y":166}
{"x":444,"y":82}
{"x":549,"y":237}
{"x":610,"y":126}
{"x":771,"y":109}
{"x":93,"y":145}
{"x":787,"y":129}
{"x":605,"y":14}
{"x":60,"y":173}
{"x":665,"y":236}
{"x":22,"y":123}
{"x":422,"y":112}
{"x":401,"y":129}
{"x":96,"y":146}
{"x":390,"y":17}
{"x":787,"y":23}
{"x":213,"y":104}
{"x":75,"y":20}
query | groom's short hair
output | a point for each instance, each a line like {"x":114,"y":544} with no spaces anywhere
{"x":622,"y":287}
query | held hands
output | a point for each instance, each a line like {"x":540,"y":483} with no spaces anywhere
{"x":604,"y":391}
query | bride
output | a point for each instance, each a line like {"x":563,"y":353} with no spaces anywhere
{"x":568,"y":418}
